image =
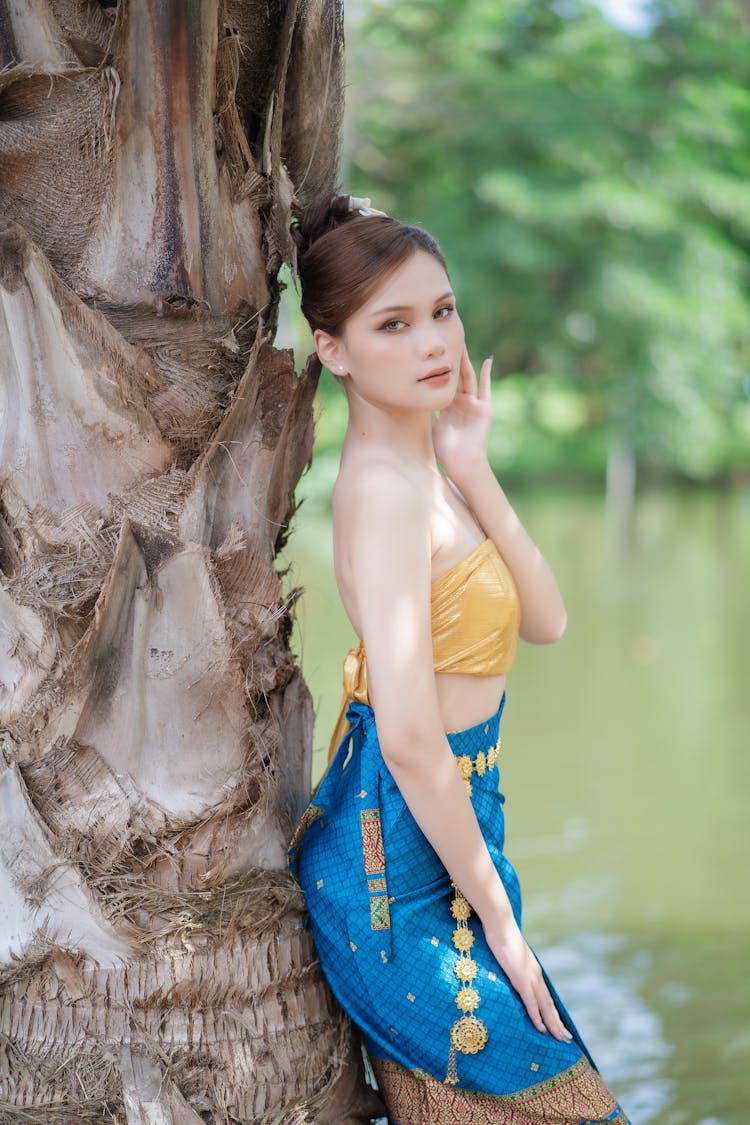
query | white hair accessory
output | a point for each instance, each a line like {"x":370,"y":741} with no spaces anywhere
{"x":363,"y":206}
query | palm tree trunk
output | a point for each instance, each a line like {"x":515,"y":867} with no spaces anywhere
{"x":155,"y":730}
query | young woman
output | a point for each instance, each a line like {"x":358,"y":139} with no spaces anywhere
{"x":416,"y":912}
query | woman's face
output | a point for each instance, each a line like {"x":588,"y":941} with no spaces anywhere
{"x":402,"y":349}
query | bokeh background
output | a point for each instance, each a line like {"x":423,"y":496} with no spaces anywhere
{"x":586,"y":168}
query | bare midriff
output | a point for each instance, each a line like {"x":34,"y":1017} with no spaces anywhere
{"x":466,"y":699}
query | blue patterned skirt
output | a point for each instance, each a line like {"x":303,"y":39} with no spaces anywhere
{"x":448,"y":1036}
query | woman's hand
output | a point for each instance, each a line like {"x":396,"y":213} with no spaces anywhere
{"x":461,"y":431}
{"x":524,"y":973}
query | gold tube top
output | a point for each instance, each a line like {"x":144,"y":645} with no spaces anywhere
{"x":475,"y":614}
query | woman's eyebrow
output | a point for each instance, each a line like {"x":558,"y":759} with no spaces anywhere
{"x":408,"y":308}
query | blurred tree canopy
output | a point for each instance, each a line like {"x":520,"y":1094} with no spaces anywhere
{"x":591,"y":190}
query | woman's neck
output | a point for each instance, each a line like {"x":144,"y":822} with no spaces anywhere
{"x":406,"y":434}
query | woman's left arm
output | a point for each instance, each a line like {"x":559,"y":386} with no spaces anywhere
{"x":460,"y":437}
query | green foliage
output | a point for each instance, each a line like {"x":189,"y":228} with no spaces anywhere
{"x":591,"y":190}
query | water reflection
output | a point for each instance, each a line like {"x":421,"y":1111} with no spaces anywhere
{"x":626,"y":767}
{"x":601,"y":980}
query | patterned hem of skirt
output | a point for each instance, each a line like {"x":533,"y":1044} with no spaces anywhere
{"x":576,"y":1096}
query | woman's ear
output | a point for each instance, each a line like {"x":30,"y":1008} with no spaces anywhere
{"x":329,"y":349}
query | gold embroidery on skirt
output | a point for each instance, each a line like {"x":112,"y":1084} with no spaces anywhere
{"x":373,"y":854}
{"x":468,"y":1034}
{"x":372,"y":842}
{"x":577,"y":1094}
{"x":309,"y":816}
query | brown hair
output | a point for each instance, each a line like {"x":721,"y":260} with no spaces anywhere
{"x":342,"y":255}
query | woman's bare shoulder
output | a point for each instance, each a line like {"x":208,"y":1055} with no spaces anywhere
{"x":376,"y":486}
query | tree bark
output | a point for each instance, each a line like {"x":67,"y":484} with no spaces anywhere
{"x":156,"y":731}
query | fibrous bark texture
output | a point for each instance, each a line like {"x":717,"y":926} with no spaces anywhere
{"x":155,"y":732}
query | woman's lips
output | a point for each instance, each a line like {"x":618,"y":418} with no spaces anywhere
{"x":439,"y":375}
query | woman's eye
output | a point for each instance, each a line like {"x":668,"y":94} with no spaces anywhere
{"x":392,"y":325}
{"x":444,"y":311}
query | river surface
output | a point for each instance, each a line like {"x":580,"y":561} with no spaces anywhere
{"x":626,"y":766}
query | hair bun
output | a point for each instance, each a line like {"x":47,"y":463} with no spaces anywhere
{"x":318,"y":218}
{"x":343,"y":249}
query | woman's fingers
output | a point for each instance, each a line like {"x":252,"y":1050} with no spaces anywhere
{"x":485,"y":379}
{"x":551,"y":1016}
{"x":543,"y":1013}
{"x":467,"y":381}
{"x":532,"y":1007}
{"x":525,"y":974}
{"x":533,"y":992}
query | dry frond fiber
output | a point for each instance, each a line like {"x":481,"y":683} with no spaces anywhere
{"x":252,"y":905}
{"x":94,"y":815}
{"x":52,"y":140}
{"x":199,"y":374}
{"x":54,"y":1082}
{"x":239,"y":1038}
{"x":66,"y":577}
{"x":87,"y":28}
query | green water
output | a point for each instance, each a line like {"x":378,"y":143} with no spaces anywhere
{"x":626,"y":765}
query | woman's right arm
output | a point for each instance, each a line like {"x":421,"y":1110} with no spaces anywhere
{"x":390,"y":565}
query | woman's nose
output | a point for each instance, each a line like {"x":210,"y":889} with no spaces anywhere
{"x":431,"y":341}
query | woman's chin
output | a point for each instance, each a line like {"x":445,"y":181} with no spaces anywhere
{"x":439,"y":394}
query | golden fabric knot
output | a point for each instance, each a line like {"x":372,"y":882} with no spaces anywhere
{"x":466,"y":969}
{"x":355,"y":674}
{"x":355,"y":691}
{"x":460,"y":909}
{"x":463,"y":940}
{"x":480,"y":763}
{"x":467,"y":999}
{"x":469,"y":1035}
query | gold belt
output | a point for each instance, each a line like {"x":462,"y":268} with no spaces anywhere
{"x":479,"y":764}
